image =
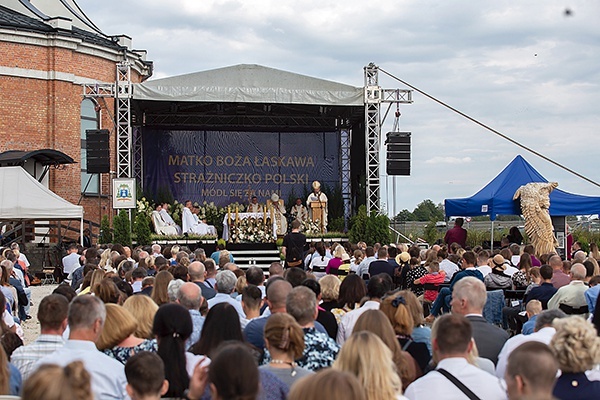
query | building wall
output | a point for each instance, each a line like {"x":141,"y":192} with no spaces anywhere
{"x":40,"y":97}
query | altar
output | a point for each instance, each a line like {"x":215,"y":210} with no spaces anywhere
{"x":243,"y":216}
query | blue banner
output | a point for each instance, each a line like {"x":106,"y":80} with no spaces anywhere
{"x":227,"y":167}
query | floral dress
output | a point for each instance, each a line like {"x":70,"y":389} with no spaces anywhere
{"x":122,"y":354}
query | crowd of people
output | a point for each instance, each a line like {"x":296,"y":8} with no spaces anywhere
{"x":349,"y":321}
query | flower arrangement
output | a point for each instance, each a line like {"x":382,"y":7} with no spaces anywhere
{"x":252,"y":230}
{"x":144,"y":207}
{"x":176,"y":211}
{"x":210,"y":213}
{"x":311,"y":227}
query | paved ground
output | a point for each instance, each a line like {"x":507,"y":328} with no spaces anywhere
{"x":31,"y":327}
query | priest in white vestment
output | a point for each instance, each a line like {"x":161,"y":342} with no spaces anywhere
{"x":254,"y":206}
{"x":192,"y":224}
{"x":160,"y":226}
{"x":166,"y":217}
{"x":298,"y":211}
{"x":320,"y":200}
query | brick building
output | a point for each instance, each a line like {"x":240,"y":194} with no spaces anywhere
{"x":48,"y":49}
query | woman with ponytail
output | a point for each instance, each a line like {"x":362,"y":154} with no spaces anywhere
{"x":284,"y":339}
{"x":172,"y":327}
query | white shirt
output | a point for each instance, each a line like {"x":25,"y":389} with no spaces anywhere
{"x":349,"y":319}
{"x":108,"y":374}
{"x":70,"y":262}
{"x":484,"y":269}
{"x":23,"y":257}
{"x":510,"y":270}
{"x":225,"y":298}
{"x":363,"y":267}
{"x":572,"y":294}
{"x":544,"y":335}
{"x":449,"y":267}
{"x":436,"y":386}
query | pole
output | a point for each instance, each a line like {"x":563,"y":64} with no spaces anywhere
{"x":492,"y":240}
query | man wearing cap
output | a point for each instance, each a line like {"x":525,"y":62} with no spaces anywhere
{"x":320,"y":199}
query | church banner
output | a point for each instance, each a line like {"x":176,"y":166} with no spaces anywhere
{"x":226,"y":167}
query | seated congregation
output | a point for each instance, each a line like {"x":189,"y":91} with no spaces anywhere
{"x":350,"y":322}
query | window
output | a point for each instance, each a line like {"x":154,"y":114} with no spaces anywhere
{"x":89,"y":120}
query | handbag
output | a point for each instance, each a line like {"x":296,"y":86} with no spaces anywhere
{"x":458,"y":384}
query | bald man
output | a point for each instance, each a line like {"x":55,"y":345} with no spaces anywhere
{"x":197,"y":273}
{"x":573,"y":294}
{"x":559,"y":278}
{"x":189,"y":295}
{"x":277,"y":292}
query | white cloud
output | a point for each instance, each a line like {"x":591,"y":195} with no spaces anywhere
{"x":449,"y":160}
{"x":479,"y":57}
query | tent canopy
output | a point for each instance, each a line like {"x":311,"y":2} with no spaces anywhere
{"x":24,"y":198}
{"x":496,"y":198}
{"x":249,"y":83}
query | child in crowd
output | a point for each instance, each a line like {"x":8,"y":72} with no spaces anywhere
{"x":533,"y":308}
{"x":435,"y":277}
{"x":145,"y":372}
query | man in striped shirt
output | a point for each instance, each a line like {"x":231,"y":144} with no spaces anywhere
{"x":52,"y":314}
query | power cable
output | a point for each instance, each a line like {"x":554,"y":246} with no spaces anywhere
{"x":511,"y":140}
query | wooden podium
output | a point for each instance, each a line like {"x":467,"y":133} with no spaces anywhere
{"x":317,"y":213}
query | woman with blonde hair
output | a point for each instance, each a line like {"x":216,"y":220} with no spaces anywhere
{"x":284,"y":339}
{"x":330,"y":291}
{"x":376,"y":322}
{"x":421,"y":333}
{"x":330,"y":384}
{"x":159,"y":293}
{"x":576,"y":347}
{"x":117,"y":339}
{"x":143,"y":309}
{"x":52,"y":382}
{"x":106,"y":260}
{"x":96,"y":277}
{"x":334,"y":263}
{"x":396,"y":307}
{"x":370,"y":360}
{"x":359,"y":255}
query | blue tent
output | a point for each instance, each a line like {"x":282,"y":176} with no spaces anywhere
{"x":496,"y":197}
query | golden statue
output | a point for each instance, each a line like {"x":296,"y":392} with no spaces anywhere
{"x":535,"y":203}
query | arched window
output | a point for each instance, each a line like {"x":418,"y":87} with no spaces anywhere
{"x":90,"y":183}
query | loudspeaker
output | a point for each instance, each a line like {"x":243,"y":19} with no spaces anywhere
{"x":97,"y":151}
{"x":398,"y":153}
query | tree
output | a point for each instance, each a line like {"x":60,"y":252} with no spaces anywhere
{"x":378,"y":229}
{"x":404,"y":216}
{"x":122,"y":228}
{"x":105,"y":231}
{"x":427,"y":211}
{"x":141,"y":226}
{"x":358,"y":225}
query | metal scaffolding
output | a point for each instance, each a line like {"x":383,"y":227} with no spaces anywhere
{"x":124,"y":137}
{"x":345,"y":142}
{"x":374,"y":96}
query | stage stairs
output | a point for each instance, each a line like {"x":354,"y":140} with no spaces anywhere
{"x":258,"y":258}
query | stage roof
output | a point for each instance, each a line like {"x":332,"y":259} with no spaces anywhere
{"x":249,"y":83}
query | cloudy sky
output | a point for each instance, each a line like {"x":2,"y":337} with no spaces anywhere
{"x":530,"y":69}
